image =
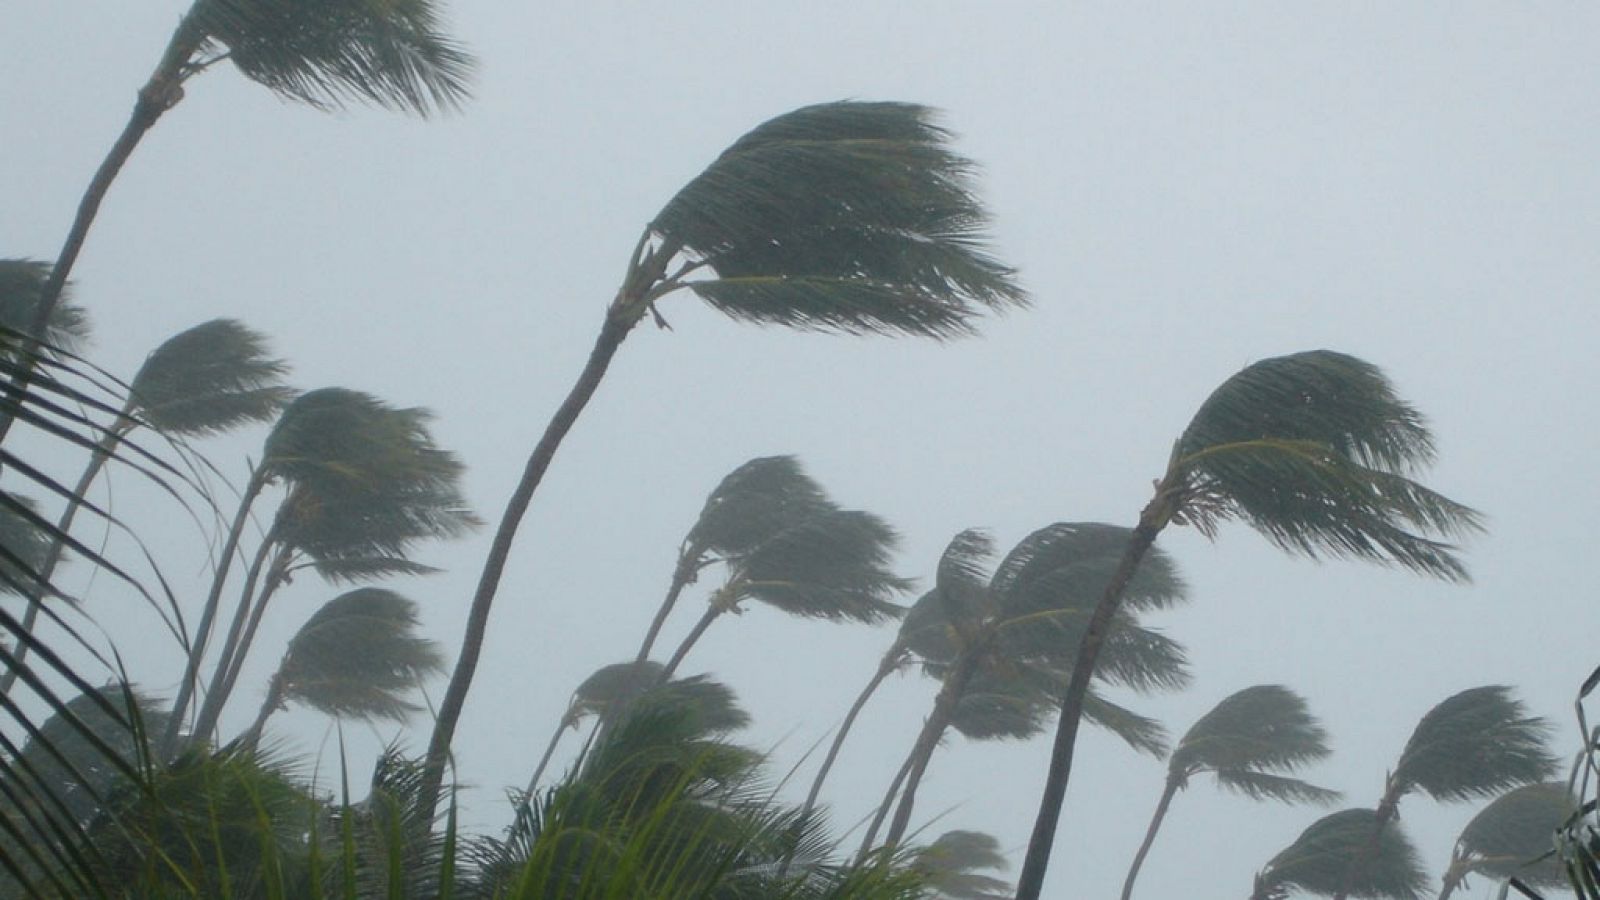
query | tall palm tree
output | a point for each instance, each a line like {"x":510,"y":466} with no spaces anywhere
{"x":844,"y":217}
{"x":832,"y":565}
{"x":1513,"y":837}
{"x":1320,"y":861}
{"x":750,"y":505}
{"x":1472,"y":745}
{"x":356,"y":657}
{"x":1314,"y":450}
{"x":1249,"y":742}
{"x":954,"y":863}
{"x":394,"y":54}
{"x":206,"y":380}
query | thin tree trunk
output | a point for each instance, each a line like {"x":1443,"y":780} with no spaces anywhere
{"x":891,"y":662}
{"x":682,"y":576}
{"x":1031,"y":880}
{"x":713,"y":612}
{"x":1150,"y":834}
{"x":621,"y":316}
{"x":30,"y":619}
{"x":208,"y":614}
{"x":160,"y":93}
{"x":276,"y":577}
{"x":883,"y":808}
{"x":241,"y":632}
{"x":549,"y":751}
{"x":272,"y":704}
{"x":944,"y":710}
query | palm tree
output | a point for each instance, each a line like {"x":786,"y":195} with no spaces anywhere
{"x":206,"y":380}
{"x":844,"y":217}
{"x":1313,"y":450}
{"x":393,"y":54}
{"x":1321,"y":860}
{"x":1249,"y":742}
{"x":750,"y":505}
{"x":1513,"y":837}
{"x":1472,"y":745}
{"x":953,"y":864}
{"x":356,"y":657}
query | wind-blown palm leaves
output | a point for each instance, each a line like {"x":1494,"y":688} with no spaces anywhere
{"x":22,"y":283}
{"x":356,"y":657}
{"x":1322,"y":859}
{"x":1249,"y":742}
{"x":1315,"y":451}
{"x":1513,"y":837}
{"x":954,"y":863}
{"x":846,"y":217}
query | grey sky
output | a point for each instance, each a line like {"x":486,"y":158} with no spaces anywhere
{"x":1185,"y":188}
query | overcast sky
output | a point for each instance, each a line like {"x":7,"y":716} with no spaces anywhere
{"x":1185,"y":189}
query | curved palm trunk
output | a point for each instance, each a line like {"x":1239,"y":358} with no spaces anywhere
{"x":699,"y":630}
{"x":891,"y":662}
{"x":160,"y":93}
{"x":272,"y":704}
{"x":1151,"y":521}
{"x":235,"y":643}
{"x":1171,"y":791}
{"x":208,"y":614}
{"x":882,"y":813}
{"x":97,"y":461}
{"x":944,"y":710}
{"x":623,"y":313}
{"x":549,"y":751}
{"x":682,"y":577}
{"x":277,"y":576}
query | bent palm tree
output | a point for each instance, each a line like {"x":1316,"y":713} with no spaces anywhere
{"x":843,"y":217}
{"x":1319,"y":861}
{"x":394,"y":54}
{"x":1315,"y":451}
{"x":205,"y":380}
{"x":1513,"y":837}
{"x":1249,"y":742}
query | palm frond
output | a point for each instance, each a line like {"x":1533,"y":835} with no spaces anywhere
{"x":845,"y":217}
{"x":1320,"y":861}
{"x":395,"y":54}
{"x":24,"y":546}
{"x":1265,"y":728}
{"x":1070,"y":563}
{"x":1514,"y":836}
{"x":209,"y":379}
{"x":833,"y":565}
{"x":754,"y":502}
{"x":358,"y":656}
{"x":995,"y":707}
{"x":1142,"y":733}
{"x":1258,"y":785}
{"x":1475,"y":744}
{"x":1315,"y":450}
{"x":21,"y":282}
{"x":925,"y":630}
{"x":953,"y":865}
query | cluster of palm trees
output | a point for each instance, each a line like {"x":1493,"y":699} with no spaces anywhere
{"x":846,"y":217}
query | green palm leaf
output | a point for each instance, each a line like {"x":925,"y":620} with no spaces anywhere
{"x":1250,"y":740}
{"x":22,"y":283}
{"x":833,"y":565}
{"x":1477,"y":743}
{"x":1514,"y":836}
{"x":1142,"y":733}
{"x":953,"y":866}
{"x":1313,"y":450}
{"x":753,"y":503}
{"x":209,"y":379}
{"x":1320,"y":861}
{"x":847,"y":217}
{"x":1076,"y":560}
{"x":393,"y":53}
{"x":24,"y":546}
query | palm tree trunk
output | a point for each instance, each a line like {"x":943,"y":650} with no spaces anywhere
{"x":682,"y":577}
{"x":944,"y":710}
{"x":623,"y":313}
{"x":208,"y":614}
{"x":549,"y":751}
{"x":272,"y":704}
{"x":891,"y":662}
{"x":97,"y":461}
{"x":1031,"y":880}
{"x":276,"y":577}
{"x":883,"y":808}
{"x":160,"y":93}
{"x":239,"y":635}
{"x":712,"y":612}
{"x":1150,"y":834}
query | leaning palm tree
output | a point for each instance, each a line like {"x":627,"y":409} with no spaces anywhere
{"x":1315,"y":451}
{"x":750,"y":505}
{"x":843,"y":217}
{"x":394,"y":54}
{"x":356,"y":657}
{"x":954,"y":864}
{"x":1513,"y":837}
{"x":1249,"y":743}
{"x":1472,"y":745}
{"x":1320,"y":860}
{"x":206,"y":380}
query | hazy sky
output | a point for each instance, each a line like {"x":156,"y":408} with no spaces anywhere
{"x":1185,"y":188}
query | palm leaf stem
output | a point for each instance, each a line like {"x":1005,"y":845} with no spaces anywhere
{"x":549,"y":751}
{"x":208,"y":614}
{"x":944,"y":711}
{"x":160,"y":93}
{"x":712,"y":613}
{"x":639,"y":289}
{"x":882,"y":813}
{"x":231,"y":654}
{"x":682,"y":576}
{"x":891,"y":662}
{"x":97,"y":461}
{"x":1174,"y":784}
{"x":1152,"y":520}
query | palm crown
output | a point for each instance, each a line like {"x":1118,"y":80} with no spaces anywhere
{"x":1339,"y":850}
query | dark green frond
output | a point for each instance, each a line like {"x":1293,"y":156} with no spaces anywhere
{"x":1314,"y":450}
{"x":361,"y":569}
{"x":1259,"y":785}
{"x":1266,"y":728}
{"x":209,"y":379}
{"x":611,"y":683}
{"x":1320,"y":861}
{"x":21,"y":280}
{"x":997,"y":707}
{"x":754,"y":502}
{"x":1475,"y":744}
{"x":24,"y":545}
{"x":394,"y":53}
{"x":926,"y":631}
{"x":1069,"y":564}
{"x":711,"y":706}
{"x":1513,"y":835}
{"x":846,"y":217}
{"x":359,"y":655}
{"x":1138,"y":658}
{"x":1142,"y":733}
{"x":953,"y":865}
{"x":833,"y":565}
